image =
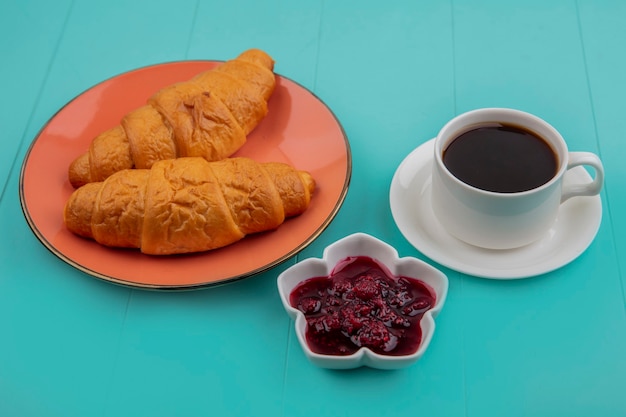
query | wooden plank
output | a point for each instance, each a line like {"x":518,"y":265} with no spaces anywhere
{"x":386,"y":72}
{"x":24,"y":69}
{"x":530,"y":57}
{"x":603,"y":36}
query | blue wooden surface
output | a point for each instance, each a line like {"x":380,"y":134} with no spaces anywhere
{"x":393,"y":73}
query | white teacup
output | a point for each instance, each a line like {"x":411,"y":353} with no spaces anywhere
{"x":505,"y":220}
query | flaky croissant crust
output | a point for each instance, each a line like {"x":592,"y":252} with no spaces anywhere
{"x":208,"y":116}
{"x":188,"y":204}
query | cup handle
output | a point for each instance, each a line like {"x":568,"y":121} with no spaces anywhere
{"x":587,"y":189}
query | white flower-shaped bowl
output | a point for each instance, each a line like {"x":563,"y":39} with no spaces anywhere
{"x":361,"y":244}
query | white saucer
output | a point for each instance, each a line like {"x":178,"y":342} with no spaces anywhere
{"x":575,"y":228}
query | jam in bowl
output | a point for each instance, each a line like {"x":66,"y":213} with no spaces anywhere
{"x":362,"y":305}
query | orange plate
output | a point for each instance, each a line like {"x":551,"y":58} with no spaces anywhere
{"x":299,"y":129}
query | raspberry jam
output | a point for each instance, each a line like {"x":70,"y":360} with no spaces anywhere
{"x":361,"y":304}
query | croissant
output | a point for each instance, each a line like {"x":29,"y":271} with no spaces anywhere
{"x":188,"y":204}
{"x":208,"y":116}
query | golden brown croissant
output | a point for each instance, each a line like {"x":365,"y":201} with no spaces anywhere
{"x":208,"y":116}
{"x":188,"y":204}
